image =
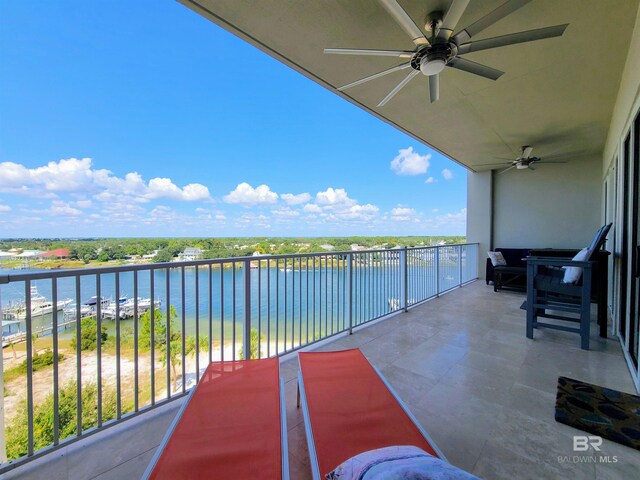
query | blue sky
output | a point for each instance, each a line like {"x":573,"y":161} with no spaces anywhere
{"x":143,"y":119}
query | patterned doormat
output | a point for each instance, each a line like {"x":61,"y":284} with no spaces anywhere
{"x":608,"y":413}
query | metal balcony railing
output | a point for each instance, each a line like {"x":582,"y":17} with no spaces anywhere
{"x":102,"y":345}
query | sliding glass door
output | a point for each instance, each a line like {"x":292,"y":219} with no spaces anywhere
{"x":628,"y":299}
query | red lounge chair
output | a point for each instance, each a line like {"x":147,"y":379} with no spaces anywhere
{"x":232,"y":425}
{"x":349,"y":408}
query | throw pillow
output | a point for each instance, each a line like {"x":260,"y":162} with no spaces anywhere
{"x":572,"y":274}
{"x":497,"y":258}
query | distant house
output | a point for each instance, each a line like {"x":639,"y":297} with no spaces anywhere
{"x":357,"y":248}
{"x":29,"y":253}
{"x":328,"y":247}
{"x":149,"y":256}
{"x":57,"y":253}
{"x":189,"y":254}
{"x":6,"y":255}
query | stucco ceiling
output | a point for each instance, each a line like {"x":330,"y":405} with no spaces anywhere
{"x":556,"y":95}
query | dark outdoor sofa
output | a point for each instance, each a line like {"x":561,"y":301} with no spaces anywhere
{"x":512,"y":276}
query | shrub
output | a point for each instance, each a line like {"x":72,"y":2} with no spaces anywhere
{"x":43,"y":419}
{"x":40,"y":362}
{"x":88,"y":335}
{"x":254,"y":341}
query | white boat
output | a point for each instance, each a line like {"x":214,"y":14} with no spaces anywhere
{"x":108,"y":307}
{"x":40,"y":306}
{"x":128,"y":307}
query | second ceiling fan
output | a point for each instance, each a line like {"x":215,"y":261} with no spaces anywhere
{"x":526,"y":161}
{"x":443,"y":49}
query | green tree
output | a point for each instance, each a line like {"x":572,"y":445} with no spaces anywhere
{"x":84,"y":251}
{"x":159,"y":327}
{"x":89,"y":335}
{"x":175,"y":339}
{"x":164,"y":255}
{"x":43,"y":417}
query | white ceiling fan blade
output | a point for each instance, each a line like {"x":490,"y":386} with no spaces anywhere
{"x":404,"y":20}
{"x":494,"y":164}
{"x":526,"y":151}
{"x":382,"y":53}
{"x":476,"y":68}
{"x":513,"y":38}
{"x":374,"y":76}
{"x":398,"y":87}
{"x":488,"y":20}
{"x":434,"y":88}
{"x":552,"y":161}
{"x":506,"y":169}
{"x":451,"y":18}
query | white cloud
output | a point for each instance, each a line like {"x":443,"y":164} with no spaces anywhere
{"x":286,"y":213}
{"x":448,"y":223}
{"x":78,"y":175}
{"x":312,"y":208}
{"x":447,"y":174}
{"x":252,"y":220}
{"x":131,"y":184}
{"x":402,"y":214}
{"x":60,"y":208}
{"x":83,"y":203}
{"x":334,"y":197}
{"x":354,"y":213}
{"x":292,"y":199}
{"x":435,"y":210}
{"x":165,"y":188}
{"x":430,"y":180}
{"x":408,"y":162}
{"x":66,"y":175}
{"x":13,"y":174}
{"x":5,"y":208}
{"x":245,"y":194}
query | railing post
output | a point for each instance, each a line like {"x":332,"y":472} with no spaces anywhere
{"x":246,"y":337}
{"x":3,"y":449}
{"x":350,"y":298}
{"x":459,"y":265}
{"x":437,"y":271}
{"x":405,"y":279}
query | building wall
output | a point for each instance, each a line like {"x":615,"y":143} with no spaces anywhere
{"x":479,"y":214}
{"x":627,"y":101}
{"x":556,"y":206}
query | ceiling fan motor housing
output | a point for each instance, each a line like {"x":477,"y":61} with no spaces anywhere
{"x":432,"y":60}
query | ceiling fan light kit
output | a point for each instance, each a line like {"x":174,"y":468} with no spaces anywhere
{"x":443,"y":49}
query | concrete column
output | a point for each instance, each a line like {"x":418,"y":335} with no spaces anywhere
{"x":480,"y":214}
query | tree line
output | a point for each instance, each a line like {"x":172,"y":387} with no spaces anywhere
{"x":165,"y":249}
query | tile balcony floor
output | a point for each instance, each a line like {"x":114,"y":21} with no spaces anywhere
{"x":482,"y":390}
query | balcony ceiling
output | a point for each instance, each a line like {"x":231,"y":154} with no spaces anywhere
{"x":557,"y":94}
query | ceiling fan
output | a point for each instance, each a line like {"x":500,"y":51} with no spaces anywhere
{"x":443,"y":49}
{"x":525,"y":160}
